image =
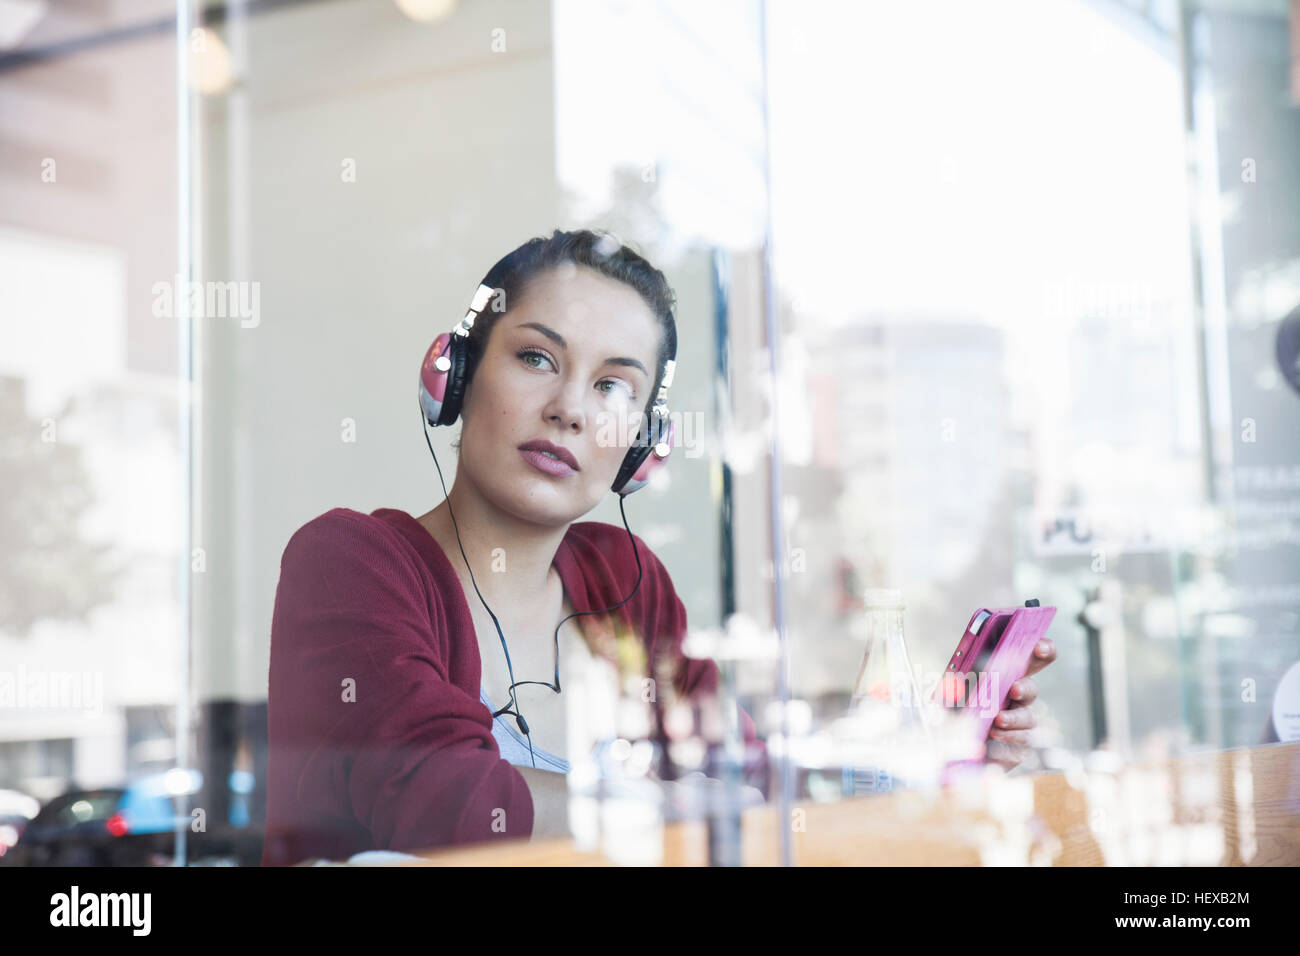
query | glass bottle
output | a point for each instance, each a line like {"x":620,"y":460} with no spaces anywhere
{"x":887,"y":716}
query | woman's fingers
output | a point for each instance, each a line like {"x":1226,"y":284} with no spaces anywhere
{"x":1024,"y":692}
{"x":1015,"y":717}
{"x":1044,"y":654}
{"x":1010,"y":736}
{"x":1008,"y":742}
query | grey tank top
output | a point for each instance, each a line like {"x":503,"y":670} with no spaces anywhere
{"x":514,"y":745}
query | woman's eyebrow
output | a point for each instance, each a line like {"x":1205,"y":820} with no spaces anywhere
{"x":558,"y":339}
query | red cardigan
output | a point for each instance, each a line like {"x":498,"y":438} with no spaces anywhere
{"x":411,"y":762}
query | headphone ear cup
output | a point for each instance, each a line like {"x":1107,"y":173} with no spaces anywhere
{"x":441,"y":392}
{"x":457,"y":379}
{"x":433,"y":381}
{"x":642,"y":461}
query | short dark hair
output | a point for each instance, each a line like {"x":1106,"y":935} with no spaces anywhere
{"x":597,"y":250}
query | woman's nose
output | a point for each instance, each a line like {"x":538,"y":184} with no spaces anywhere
{"x":567,"y":410}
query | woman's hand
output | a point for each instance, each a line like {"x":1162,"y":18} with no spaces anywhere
{"x":1008,"y":740}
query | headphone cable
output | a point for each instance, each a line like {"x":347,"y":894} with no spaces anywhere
{"x":514,"y":700}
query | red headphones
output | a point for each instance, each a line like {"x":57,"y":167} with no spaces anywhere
{"x":445,"y":373}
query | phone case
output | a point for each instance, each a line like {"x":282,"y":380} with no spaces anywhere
{"x":996,"y":649}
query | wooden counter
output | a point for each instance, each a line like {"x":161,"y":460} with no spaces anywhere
{"x":1232,"y":808}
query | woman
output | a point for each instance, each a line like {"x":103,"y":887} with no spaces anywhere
{"x":418,"y":665}
{"x":403,"y":712}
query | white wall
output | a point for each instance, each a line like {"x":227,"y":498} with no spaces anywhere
{"x":454,"y":159}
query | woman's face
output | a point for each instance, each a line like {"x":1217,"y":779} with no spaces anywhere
{"x":571,"y":361}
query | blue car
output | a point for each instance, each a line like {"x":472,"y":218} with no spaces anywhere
{"x":109,"y":826}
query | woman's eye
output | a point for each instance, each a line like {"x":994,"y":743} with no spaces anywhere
{"x":613,"y":381}
{"x":526,"y":354}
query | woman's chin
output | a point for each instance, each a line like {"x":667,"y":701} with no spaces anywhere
{"x":547,"y":505}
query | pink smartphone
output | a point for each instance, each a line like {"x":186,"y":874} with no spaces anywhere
{"x":992,"y":654}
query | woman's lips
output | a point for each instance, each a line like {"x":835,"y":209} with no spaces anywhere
{"x":550,"y":466}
